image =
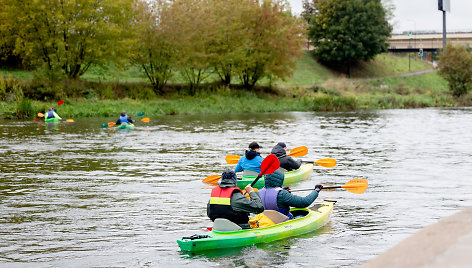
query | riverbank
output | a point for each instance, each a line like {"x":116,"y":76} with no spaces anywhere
{"x":380,"y":84}
{"x":447,"y":243}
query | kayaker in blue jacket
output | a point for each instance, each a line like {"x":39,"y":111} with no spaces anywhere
{"x":286,"y":162}
{"x":124,"y":118}
{"x":228,"y":202}
{"x":275,"y":198}
{"x":250,"y":162}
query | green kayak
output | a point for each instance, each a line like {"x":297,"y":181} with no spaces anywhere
{"x":291,"y":177}
{"x":52,"y":119}
{"x":125,"y":126}
{"x":315,"y":217}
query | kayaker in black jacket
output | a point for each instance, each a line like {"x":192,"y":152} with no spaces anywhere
{"x":275,"y":198}
{"x":286,"y":162}
{"x":228,"y":202}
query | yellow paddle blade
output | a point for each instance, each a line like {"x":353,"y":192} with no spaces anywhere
{"x":357,"y":186}
{"x":40,"y":115}
{"x":146,"y":119}
{"x":326,"y":162}
{"x":232,"y":159}
{"x":212,"y":179}
{"x":298,"y":151}
{"x":70,"y":120}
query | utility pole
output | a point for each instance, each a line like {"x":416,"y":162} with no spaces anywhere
{"x":444,"y":6}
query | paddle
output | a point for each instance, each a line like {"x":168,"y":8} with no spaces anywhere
{"x":325,"y":162}
{"x":297,"y":152}
{"x":268,"y":165}
{"x":357,"y":186}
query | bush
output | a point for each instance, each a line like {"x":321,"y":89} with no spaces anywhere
{"x":455,"y":66}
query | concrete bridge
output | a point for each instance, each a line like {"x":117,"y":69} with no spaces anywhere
{"x":429,"y":42}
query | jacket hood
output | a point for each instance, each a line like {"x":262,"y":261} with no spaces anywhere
{"x":274,"y":180}
{"x":278,"y":151}
{"x":251,"y":154}
{"x":228,"y":179}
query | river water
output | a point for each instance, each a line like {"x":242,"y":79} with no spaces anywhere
{"x":77,"y":195}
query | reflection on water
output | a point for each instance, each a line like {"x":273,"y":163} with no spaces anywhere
{"x":74,"y":194}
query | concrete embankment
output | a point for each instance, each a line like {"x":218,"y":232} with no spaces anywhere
{"x":447,"y":243}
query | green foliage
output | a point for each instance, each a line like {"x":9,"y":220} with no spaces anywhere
{"x":349,"y":30}
{"x":153,"y":49}
{"x":68,"y":36}
{"x":334,"y":103}
{"x":10,"y":88}
{"x":455,"y":66}
{"x":24,"y":109}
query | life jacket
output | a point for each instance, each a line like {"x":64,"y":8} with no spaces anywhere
{"x":50,"y":114}
{"x":269,"y":199}
{"x":220,"y":205}
{"x":124,"y":119}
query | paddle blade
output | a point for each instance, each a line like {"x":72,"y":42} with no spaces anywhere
{"x":326,"y":162}
{"x":298,"y":151}
{"x":357,"y":186}
{"x":269,"y":165}
{"x":232,"y":159}
{"x":212,"y":179}
{"x":140,"y":114}
{"x":36,"y":119}
{"x":70,"y":120}
{"x":110,"y":124}
{"x":60,"y":102}
{"x":40,"y":115}
{"x":146,"y":119}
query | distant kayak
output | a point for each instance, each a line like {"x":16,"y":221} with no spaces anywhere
{"x":52,"y":119}
{"x":314,"y":218}
{"x":291,"y":177}
{"x":125,"y":126}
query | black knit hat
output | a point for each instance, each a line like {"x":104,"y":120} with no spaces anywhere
{"x":253,"y":145}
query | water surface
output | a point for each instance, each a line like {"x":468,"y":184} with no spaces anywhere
{"x":77,"y":195}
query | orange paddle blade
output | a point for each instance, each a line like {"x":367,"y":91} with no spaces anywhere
{"x":357,"y":186}
{"x":146,"y":119}
{"x":70,"y":120}
{"x":326,"y":162}
{"x":232,"y":159}
{"x":212,"y":179}
{"x":40,"y":115}
{"x":110,"y":124}
{"x":298,"y":151}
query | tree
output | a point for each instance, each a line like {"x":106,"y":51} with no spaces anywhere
{"x":455,"y":65}
{"x":68,"y":36}
{"x":344,"y":31}
{"x":154,"y":50}
{"x":308,"y":9}
{"x":273,"y":42}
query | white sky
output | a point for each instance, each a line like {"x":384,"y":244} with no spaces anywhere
{"x":422,"y":14}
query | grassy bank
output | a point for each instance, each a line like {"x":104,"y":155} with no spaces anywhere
{"x":313,"y":87}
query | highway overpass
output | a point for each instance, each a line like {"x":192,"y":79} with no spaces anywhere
{"x":429,"y":42}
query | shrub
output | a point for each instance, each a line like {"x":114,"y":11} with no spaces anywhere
{"x":455,"y":66}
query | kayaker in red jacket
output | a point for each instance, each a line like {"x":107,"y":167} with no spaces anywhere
{"x":275,"y":198}
{"x":228,"y":202}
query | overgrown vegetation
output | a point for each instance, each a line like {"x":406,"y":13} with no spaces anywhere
{"x":456,"y":67}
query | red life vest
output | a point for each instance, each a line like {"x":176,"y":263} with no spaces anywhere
{"x":220,"y":205}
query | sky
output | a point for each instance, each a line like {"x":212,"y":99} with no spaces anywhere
{"x":422,"y":15}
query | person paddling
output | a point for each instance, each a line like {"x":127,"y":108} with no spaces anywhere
{"x":287,"y":163}
{"x":228,"y":202}
{"x":124,"y":118}
{"x":52,"y":114}
{"x":275,"y":198}
{"x":250,"y":163}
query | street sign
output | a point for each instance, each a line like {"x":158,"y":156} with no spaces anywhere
{"x":444,"y":5}
{"x":421,"y":45}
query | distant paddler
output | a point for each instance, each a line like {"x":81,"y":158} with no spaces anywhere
{"x":124,"y":119}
